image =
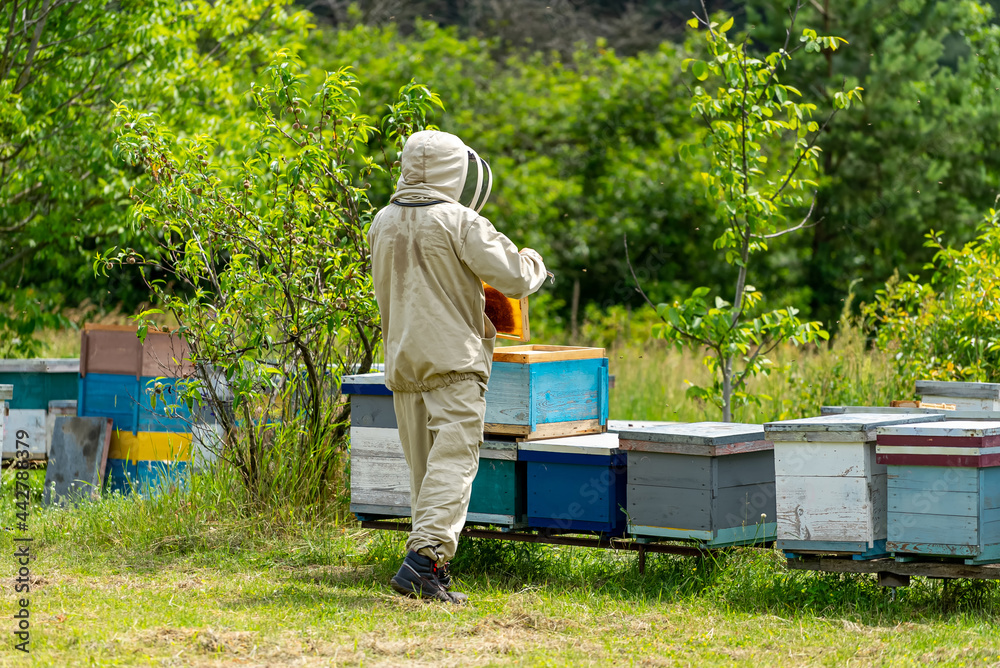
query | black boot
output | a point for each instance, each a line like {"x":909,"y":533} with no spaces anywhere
{"x":418,"y":577}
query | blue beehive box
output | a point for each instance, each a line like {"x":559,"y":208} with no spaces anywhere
{"x":576,"y":483}
{"x":943,"y":489}
{"x":540,"y":392}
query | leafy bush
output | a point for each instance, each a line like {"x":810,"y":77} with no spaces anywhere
{"x":946,"y":328}
{"x":264,"y":264}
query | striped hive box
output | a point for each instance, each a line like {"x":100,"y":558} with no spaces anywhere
{"x":380,"y":477}
{"x":547,"y":391}
{"x":576,"y":483}
{"x":138,"y":384}
{"x":830,"y":491}
{"x":943,"y":489}
{"x":712,"y":482}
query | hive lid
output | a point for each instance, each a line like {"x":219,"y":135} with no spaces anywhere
{"x":958,"y":389}
{"x":698,"y":433}
{"x":589,"y":444}
{"x":365,"y":383}
{"x":58,"y":365}
{"x":618,"y":426}
{"x":530,"y":354}
{"x":854,"y":426}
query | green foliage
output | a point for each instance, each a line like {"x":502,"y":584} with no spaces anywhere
{"x":947,"y":327}
{"x":763,"y":151}
{"x":265,"y":235}
{"x":64,"y":61}
{"x":914,"y":156}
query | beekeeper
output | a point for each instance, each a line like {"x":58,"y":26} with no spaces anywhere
{"x":431,"y":251}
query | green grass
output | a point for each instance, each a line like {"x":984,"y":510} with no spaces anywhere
{"x":176,"y":580}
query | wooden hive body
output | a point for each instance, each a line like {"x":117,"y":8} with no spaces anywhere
{"x":36,"y":383}
{"x":830,"y":491}
{"x":943,"y":489}
{"x":576,"y":483}
{"x":540,"y":392}
{"x":965,"y":396}
{"x":380,"y":477}
{"x":706,"y":481}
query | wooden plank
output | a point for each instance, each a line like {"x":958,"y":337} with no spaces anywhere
{"x":926,"y":569}
{"x":928,"y":502}
{"x":825,"y":509}
{"x":663,"y":470}
{"x":39,"y":365}
{"x":618,"y":426}
{"x":373,"y":509}
{"x":670,"y":507}
{"x":826,"y":459}
{"x":903,"y":547}
{"x":927,"y":528}
{"x":933,"y":478}
{"x":666,"y":532}
{"x":749,"y":534}
{"x":567,"y":391}
{"x":159,"y":446}
{"x":380,"y":481}
{"x":989,"y":487}
{"x":748,"y":468}
{"x":530,"y":354}
{"x":376,"y":442}
{"x":57,"y":408}
{"x":543,"y":431}
{"x":78,"y":460}
{"x":166,"y":354}
{"x":956,"y":389}
{"x":508,"y":401}
{"x":369,"y":410}
{"x":743,"y":505}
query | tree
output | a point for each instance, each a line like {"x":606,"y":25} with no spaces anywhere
{"x":917,"y":154}
{"x":265,"y":235}
{"x":62,"y":63}
{"x":763,"y":158}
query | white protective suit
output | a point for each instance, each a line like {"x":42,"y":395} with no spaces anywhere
{"x":430,"y":254}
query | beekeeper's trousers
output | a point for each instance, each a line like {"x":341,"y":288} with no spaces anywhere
{"x":441,"y":431}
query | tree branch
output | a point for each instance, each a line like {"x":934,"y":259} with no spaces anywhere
{"x":800,"y":226}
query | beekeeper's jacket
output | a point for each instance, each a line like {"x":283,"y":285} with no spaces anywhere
{"x":430,"y":254}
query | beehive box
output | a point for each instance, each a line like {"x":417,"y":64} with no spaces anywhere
{"x":576,"y":483}
{"x":116,"y":349}
{"x":943,"y":489}
{"x":538,"y":392}
{"x":707,"y":481}
{"x":830,"y":491}
{"x":36,"y":382}
{"x":380,"y":477}
{"x":965,"y":396}
{"x":27,"y":426}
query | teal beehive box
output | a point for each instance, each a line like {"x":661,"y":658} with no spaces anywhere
{"x":943,"y":489}
{"x":37,"y":382}
{"x":538,"y":392}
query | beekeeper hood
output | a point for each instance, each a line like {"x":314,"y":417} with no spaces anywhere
{"x":439,"y":167}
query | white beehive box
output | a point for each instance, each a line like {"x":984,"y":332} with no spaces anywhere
{"x":965,"y":396}
{"x":830,"y":491}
